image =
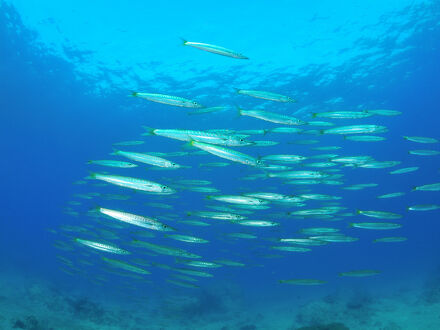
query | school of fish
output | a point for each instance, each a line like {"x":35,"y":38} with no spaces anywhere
{"x":298,"y":207}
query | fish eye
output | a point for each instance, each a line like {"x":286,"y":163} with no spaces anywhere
{"x":164,"y":187}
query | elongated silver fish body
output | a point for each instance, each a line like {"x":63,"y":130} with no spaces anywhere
{"x":215,"y":49}
{"x":126,"y":266}
{"x":226,"y":153}
{"x":168,"y":99}
{"x":112,"y":163}
{"x":147,"y":159}
{"x":134,"y":183}
{"x":238,"y":199}
{"x":200,"y":136}
{"x":272,"y":117}
{"x":356,"y":129}
{"x":101,"y":246}
{"x":167,"y":250}
{"x":134,"y":219}
{"x":343,"y":114}
{"x":266,"y":95}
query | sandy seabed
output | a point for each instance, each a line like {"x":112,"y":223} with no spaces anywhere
{"x":29,"y":303}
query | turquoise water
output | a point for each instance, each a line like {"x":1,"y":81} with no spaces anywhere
{"x":69,"y":70}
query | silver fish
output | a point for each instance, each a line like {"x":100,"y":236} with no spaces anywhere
{"x":214,"y":49}
{"x":168,"y":99}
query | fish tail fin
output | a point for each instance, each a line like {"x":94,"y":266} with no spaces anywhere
{"x":314,"y":115}
{"x":189,"y":144}
{"x":239,"y":111}
{"x":184,"y":41}
{"x":90,"y":162}
{"x":133,"y":93}
{"x":92,"y":175}
{"x":114,"y":152}
{"x":149,"y":131}
{"x":237,"y":90}
{"x":351,"y":225}
{"x":95,"y":208}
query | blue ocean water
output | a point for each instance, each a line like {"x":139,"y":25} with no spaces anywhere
{"x":68,"y":71}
